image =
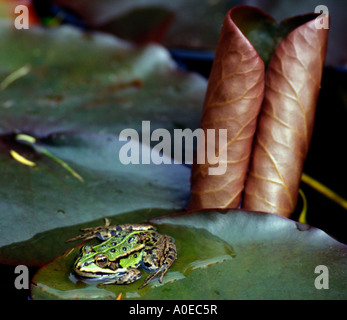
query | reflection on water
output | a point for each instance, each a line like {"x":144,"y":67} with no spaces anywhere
{"x":89,"y":292}
{"x":199,"y":264}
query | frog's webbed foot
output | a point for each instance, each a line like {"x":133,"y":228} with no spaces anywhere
{"x":163,"y":255}
{"x":152,"y":276}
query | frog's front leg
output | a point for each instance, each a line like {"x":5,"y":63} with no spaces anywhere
{"x":125,"y":276}
{"x":158,"y":258}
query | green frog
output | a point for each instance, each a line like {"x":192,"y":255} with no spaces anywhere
{"x":124,"y":249}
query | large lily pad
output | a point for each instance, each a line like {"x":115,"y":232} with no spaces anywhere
{"x":47,"y":196}
{"x":232,"y":255}
{"x":93,"y":83}
{"x":76,"y":92}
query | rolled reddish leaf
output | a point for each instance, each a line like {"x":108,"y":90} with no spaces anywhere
{"x":233,"y":99}
{"x":292,"y":84}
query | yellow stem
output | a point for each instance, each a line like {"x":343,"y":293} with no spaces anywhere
{"x":302,"y":217}
{"x":16,"y":156}
{"x":15,"y":75}
{"x":32,"y":141}
{"x":324,"y":190}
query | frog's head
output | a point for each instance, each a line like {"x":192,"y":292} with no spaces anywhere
{"x":109,"y":258}
{"x":91,"y":263}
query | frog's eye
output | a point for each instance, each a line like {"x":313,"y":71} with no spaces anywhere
{"x":101,"y":260}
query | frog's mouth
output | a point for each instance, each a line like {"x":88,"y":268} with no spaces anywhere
{"x":99,"y":274}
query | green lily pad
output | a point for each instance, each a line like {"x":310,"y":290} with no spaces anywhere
{"x":91,"y":82}
{"x":47,"y":196}
{"x":232,"y":255}
{"x":75,"y":93}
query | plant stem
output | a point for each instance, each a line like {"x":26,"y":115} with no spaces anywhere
{"x":324,"y":190}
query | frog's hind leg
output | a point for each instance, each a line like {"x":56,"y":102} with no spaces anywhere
{"x":158,"y":259}
{"x":94,"y":232}
{"x":107,"y":231}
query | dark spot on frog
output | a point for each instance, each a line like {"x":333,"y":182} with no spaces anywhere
{"x":131,"y":239}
